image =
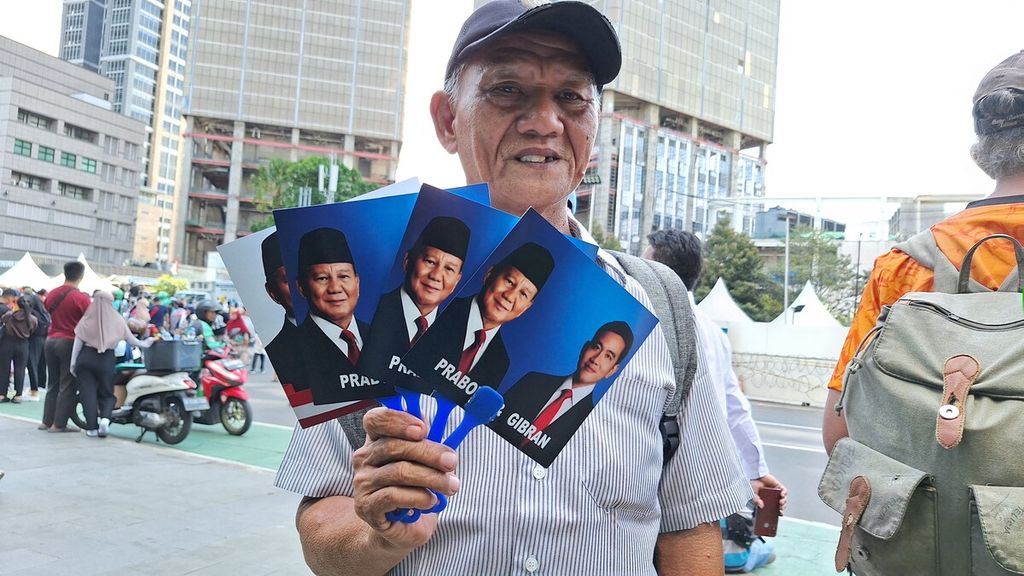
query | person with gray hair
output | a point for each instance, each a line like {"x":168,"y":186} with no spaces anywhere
{"x":998,"y":111}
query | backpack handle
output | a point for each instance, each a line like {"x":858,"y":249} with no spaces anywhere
{"x":965,"y":267}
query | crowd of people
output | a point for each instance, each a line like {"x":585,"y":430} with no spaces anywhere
{"x":67,"y":343}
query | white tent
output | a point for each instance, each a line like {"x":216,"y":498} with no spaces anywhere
{"x":25,"y":272}
{"x":812,"y":312}
{"x":720,"y":307}
{"x":91,"y":281}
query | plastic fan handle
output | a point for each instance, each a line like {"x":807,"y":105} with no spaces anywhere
{"x":483,"y":407}
{"x":392,"y":402}
{"x":412,"y":401}
{"x":444,"y":409}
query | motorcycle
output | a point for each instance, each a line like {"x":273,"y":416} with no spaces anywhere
{"x":161,"y":401}
{"x":221,"y":379}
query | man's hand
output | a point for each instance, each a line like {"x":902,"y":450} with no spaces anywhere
{"x":398,"y":468}
{"x":768,"y":481}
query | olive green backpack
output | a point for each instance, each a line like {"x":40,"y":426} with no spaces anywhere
{"x":931,"y":478}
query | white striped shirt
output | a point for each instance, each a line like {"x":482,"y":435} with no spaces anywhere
{"x":597,"y":510}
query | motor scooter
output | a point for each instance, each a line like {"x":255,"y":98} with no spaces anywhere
{"x":163,"y":401}
{"x":221,"y":380}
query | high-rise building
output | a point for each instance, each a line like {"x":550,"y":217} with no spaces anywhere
{"x":284,"y":79}
{"x":140,"y":45}
{"x":69,"y":165}
{"x":685,"y":125}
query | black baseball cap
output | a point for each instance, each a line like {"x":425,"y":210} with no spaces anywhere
{"x":1008,"y":74}
{"x":578,"y":21}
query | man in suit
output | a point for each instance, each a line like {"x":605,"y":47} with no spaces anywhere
{"x":284,"y":349}
{"x":433,"y":267}
{"x":331,"y":337}
{"x":467,"y":336}
{"x":553,"y":407}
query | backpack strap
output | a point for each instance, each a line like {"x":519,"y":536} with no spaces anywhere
{"x":922,"y":248}
{"x":672,"y":308}
{"x":352,"y":424}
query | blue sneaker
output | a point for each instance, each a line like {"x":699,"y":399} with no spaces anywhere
{"x":762,"y":553}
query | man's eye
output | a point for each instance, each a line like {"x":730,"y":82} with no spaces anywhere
{"x":506,"y":90}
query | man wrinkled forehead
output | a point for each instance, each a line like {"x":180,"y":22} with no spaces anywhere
{"x":541,"y":47}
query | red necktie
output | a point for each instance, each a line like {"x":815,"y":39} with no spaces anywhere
{"x":548,"y":414}
{"x":466,"y":361}
{"x":353,"y":350}
{"x":421,"y":327}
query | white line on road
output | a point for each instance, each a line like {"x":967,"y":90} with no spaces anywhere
{"x":781,"y":425}
{"x":794,"y":447}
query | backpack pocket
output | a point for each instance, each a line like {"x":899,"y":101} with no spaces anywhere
{"x":896,"y":532}
{"x":997,"y":530}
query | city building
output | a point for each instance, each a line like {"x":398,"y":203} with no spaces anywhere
{"x":921,"y":212}
{"x":685,"y":125}
{"x":284,"y":79}
{"x":140,"y":45}
{"x":772,"y":223}
{"x":69,"y":166}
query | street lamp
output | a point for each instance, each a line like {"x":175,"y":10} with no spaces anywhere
{"x":785,"y":269}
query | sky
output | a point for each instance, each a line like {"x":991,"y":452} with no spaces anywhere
{"x":873,"y":97}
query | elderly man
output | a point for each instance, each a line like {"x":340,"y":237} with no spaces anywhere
{"x":331,"y":337}
{"x":521,"y":110}
{"x":433,"y":267}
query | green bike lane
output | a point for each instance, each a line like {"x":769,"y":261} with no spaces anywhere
{"x":802,"y":548}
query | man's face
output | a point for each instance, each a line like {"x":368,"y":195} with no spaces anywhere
{"x":279,"y":291}
{"x":507,"y":294}
{"x":600,"y":358}
{"x":524,"y":120}
{"x":332,"y":291}
{"x":430,"y":277}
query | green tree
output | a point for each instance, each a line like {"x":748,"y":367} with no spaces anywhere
{"x":169,"y":284}
{"x":608,"y":243}
{"x":815,"y":256}
{"x":733,"y":257}
{"x":277,"y":185}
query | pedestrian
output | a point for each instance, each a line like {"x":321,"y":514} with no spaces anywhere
{"x":238,"y":334}
{"x":521,"y":109}
{"x":36,"y":361}
{"x":138,"y":317}
{"x":683,"y":253}
{"x":66,"y":304}
{"x":259,"y":355}
{"x":17,"y":324}
{"x":999,"y":125}
{"x":92,"y":360}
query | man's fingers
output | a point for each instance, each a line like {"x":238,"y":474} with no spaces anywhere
{"x":383,"y":422}
{"x":757,"y":501}
{"x":387,"y":450}
{"x":375,"y":506}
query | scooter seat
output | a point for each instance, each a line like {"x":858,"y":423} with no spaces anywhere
{"x":127,"y":366}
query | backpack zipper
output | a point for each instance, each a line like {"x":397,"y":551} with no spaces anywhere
{"x":936,"y":309}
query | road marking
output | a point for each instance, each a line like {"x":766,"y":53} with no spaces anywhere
{"x":794,"y":447}
{"x":269,"y":425}
{"x":794,"y":426}
{"x":811,"y":523}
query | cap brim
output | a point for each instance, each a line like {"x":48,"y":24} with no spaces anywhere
{"x":581,"y":23}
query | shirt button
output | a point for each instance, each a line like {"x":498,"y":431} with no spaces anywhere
{"x":532,"y":564}
{"x":539,"y":472}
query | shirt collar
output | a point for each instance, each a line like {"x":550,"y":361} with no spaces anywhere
{"x":333,"y":331}
{"x":411,"y":313}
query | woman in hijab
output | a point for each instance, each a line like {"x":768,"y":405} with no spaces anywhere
{"x":92,"y":360}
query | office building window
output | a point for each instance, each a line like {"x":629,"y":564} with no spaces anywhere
{"x":88,"y":165}
{"x":45,"y":154}
{"x":72,"y":191}
{"x":22,"y":148}
{"x":68,"y":159}
{"x":26,"y":117}
{"x":29,"y":181}
{"x":79,"y":133}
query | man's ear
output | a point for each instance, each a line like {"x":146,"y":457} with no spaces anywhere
{"x":272,"y":294}
{"x":302,"y":287}
{"x":444,"y":121}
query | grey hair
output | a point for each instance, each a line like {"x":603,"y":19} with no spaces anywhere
{"x":1000,"y":154}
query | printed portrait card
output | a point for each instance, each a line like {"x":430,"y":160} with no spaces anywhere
{"x":255,"y":266}
{"x":448,"y":237}
{"x":541,"y":323}
{"x":337,"y":258}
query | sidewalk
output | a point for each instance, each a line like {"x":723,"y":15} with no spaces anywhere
{"x":204,"y":507}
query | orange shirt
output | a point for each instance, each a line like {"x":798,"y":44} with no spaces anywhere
{"x":896,"y":273}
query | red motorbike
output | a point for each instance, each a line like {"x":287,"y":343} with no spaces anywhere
{"x":221,"y":379}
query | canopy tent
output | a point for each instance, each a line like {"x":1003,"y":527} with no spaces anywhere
{"x":720,"y":307}
{"x":91,"y":281}
{"x":25,"y":272}
{"x":807,"y":310}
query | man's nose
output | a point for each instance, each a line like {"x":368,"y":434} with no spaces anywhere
{"x":542,"y":117}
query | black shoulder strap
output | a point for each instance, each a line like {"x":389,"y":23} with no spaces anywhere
{"x":60,"y":299}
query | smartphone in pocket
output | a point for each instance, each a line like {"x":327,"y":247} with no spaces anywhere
{"x":766,"y":520}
